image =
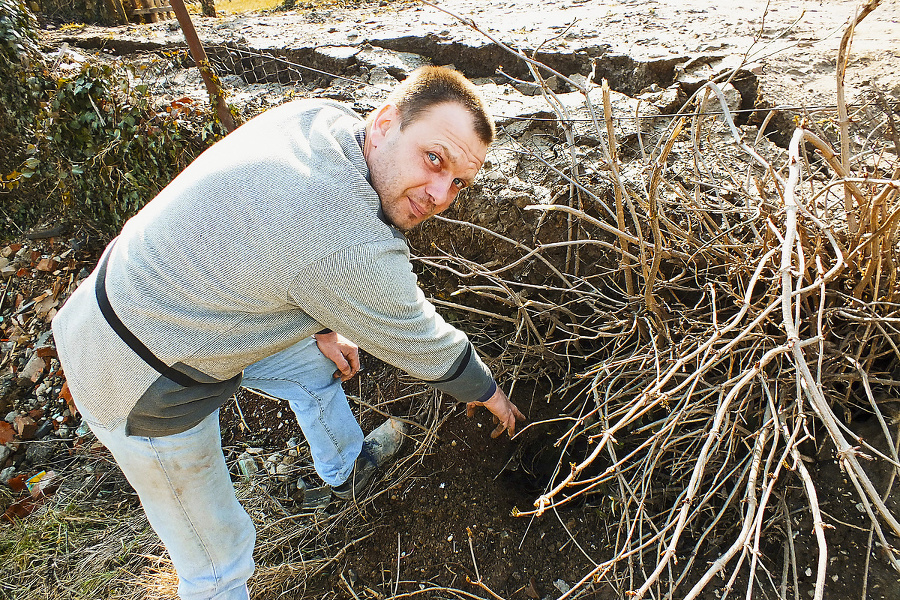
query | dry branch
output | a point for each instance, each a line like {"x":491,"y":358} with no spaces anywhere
{"x":714,"y":335}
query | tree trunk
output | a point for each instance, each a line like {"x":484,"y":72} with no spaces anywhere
{"x":209,"y":7}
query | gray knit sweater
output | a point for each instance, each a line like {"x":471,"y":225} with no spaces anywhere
{"x":271,"y":235}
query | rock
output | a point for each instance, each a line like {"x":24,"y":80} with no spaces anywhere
{"x":7,"y":474}
{"x":43,"y":430}
{"x":33,"y":369}
{"x":732,"y":97}
{"x":666,"y":100}
{"x":40,"y":454}
{"x":334,"y":59}
{"x":398,"y":64}
{"x":25,"y":427}
{"x":247,"y":465}
{"x":380,"y":76}
{"x":523,"y":194}
{"x":5,"y":453}
{"x":580,"y":79}
{"x":47,"y":265}
{"x":533,"y":89}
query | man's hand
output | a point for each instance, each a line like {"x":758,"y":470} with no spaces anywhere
{"x":505,"y":412}
{"x":341,"y":351}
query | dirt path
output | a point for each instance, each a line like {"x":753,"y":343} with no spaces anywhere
{"x":793,"y":42}
{"x":791,"y":45}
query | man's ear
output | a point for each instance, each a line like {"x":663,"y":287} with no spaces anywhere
{"x":385,"y":120}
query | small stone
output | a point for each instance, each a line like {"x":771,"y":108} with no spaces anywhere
{"x":43,"y":429}
{"x":6,"y":474}
{"x":247,"y":465}
{"x":33,"y":368}
{"x":380,"y":76}
{"x":25,"y":427}
{"x":47,"y":264}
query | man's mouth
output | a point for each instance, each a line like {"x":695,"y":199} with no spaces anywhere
{"x":417,"y":209}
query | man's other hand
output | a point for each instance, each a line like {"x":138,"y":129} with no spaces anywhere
{"x":341,"y":351}
{"x":505,"y":412}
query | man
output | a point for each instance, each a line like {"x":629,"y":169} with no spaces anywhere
{"x":258,"y":259}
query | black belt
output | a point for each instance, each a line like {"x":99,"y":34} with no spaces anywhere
{"x":129,"y":338}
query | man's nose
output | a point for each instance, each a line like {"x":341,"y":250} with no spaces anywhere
{"x":442,"y":192}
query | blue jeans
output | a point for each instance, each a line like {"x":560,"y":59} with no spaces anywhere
{"x":185,"y":487}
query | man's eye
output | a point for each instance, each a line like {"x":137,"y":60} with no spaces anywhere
{"x":459,"y":183}
{"x":434,"y":158}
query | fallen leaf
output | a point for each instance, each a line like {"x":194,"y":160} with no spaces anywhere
{"x":66,"y":395}
{"x":45,"y":351}
{"x":17,"y":483}
{"x":7,"y":433}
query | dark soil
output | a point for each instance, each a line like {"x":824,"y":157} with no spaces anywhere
{"x":466,"y":487}
{"x":452,"y":519}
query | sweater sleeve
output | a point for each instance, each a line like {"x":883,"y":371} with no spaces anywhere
{"x":369,"y":294}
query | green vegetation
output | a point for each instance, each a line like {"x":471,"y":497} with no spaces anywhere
{"x":83,"y":143}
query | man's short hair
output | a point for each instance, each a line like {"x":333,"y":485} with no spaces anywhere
{"x":428,"y":86}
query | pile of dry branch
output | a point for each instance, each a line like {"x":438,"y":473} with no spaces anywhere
{"x":731,"y":311}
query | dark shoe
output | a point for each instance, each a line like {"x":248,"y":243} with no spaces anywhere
{"x":379,"y":447}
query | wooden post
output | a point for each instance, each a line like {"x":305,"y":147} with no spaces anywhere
{"x":116,"y":12}
{"x":150,"y":17}
{"x":209,"y":7}
{"x":216,"y":93}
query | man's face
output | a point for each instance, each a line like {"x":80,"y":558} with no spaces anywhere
{"x":418,"y":170}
